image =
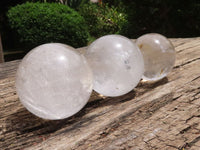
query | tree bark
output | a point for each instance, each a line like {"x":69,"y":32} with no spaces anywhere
{"x":160,"y":115}
{"x":1,"y":51}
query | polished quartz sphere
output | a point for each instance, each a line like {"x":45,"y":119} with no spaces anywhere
{"x":117,"y":65}
{"x":53,"y":81}
{"x":159,"y":56}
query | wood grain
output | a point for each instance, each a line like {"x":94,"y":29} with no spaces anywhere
{"x":157,"y":115}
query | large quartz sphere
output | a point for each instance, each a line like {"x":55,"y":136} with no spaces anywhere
{"x":53,"y":81}
{"x":159,"y":56}
{"x":117,"y":65}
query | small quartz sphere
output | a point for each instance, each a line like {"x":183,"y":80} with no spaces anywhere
{"x":53,"y":81}
{"x":159,"y":56}
{"x":117,"y":65}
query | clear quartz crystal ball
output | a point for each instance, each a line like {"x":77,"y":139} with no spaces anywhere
{"x":53,"y":81}
{"x":117,"y":65}
{"x":159,"y":56}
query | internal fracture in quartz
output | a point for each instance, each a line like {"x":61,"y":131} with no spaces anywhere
{"x":117,"y":65}
{"x":53,"y":81}
{"x":159,"y":56}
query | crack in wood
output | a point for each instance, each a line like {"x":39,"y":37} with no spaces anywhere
{"x":186,"y":63}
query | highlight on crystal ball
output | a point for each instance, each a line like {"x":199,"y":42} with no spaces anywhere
{"x":159,"y":56}
{"x":117,"y":65}
{"x":53,"y":81}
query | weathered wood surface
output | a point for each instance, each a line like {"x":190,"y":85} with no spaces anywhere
{"x":161,"y":115}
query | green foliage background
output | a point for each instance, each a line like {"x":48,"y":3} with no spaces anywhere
{"x":102,"y":19}
{"x":172,"y":18}
{"x":38,"y":23}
